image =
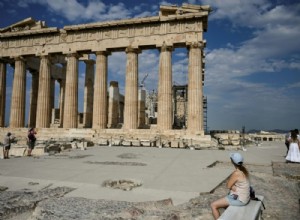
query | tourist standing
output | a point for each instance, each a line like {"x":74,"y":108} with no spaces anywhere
{"x":293,"y":154}
{"x":31,"y":140}
{"x":6,"y":145}
{"x":287,"y":141}
{"x":238,"y":184}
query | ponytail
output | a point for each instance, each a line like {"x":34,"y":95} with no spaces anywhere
{"x":244,"y":170}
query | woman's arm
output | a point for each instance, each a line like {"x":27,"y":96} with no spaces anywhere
{"x":232,"y":179}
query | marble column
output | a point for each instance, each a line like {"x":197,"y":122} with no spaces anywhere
{"x":52,"y":93}
{"x":164,"y":109}
{"x":33,"y":99}
{"x":88,"y":94}
{"x":100,"y":91}
{"x":17,"y":111}
{"x":131,"y":89}
{"x":141,"y":107}
{"x":62,"y":83}
{"x":71,"y":92}
{"x":195,"y":90}
{"x":43,"y":112}
{"x":2,"y":93}
{"x":113,"y":105}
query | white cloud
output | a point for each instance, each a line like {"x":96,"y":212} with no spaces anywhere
{"x":74,"y":10}
{"x":273,"y":49}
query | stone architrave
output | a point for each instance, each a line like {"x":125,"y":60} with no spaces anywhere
{"x":113,"y":105}
{"x":71,"y":92}
{"x":33,"y":99}
{"x":43,"y":112}
{"x":195,"y":89}
{"x":164,"y":108}
{"x":17,"y":111}
{"x":88,"y":94}
{"x":2,"y":93}
{"x":100,"y":91}
{"x":131,"y":89}
{"x":141,"y":107}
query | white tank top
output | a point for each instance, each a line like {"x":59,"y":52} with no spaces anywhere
{"x":242,"y":189}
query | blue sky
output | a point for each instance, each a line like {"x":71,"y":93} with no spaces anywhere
{"x":252,"y":64}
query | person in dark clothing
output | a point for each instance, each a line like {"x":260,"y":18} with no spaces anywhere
{"x":6,"y":145}
{"x":31,"y":140}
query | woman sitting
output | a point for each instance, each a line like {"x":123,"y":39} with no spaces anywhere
{"x":239,"y":187}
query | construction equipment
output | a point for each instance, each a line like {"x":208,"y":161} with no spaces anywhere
{"x":143,"y":80}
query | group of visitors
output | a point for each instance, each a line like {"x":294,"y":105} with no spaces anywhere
{"x":292,"y":142}
{"x":8,"y":139}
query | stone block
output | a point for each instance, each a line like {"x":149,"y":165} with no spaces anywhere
{"x":136,"y":143}
{"x":17,"y":151}
{"x":146,"y":143}
{"x":126,"y":143}
{"x":74,"y":145}
{"x":174,"y":144}
{"x":181,"y":144}
{"x":116,"y":142}
{"x":102,"y":141}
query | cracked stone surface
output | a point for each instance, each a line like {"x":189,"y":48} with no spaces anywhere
{"x":117,"y":163}
{"x":17,"y":202}
{"x":279,"y":185}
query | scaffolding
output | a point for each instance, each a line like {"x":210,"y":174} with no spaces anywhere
{"x":180,"y":114}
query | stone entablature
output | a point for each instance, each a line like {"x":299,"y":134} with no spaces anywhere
{"x":176,"y":30}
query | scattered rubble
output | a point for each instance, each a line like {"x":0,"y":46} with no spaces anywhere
{"x":125,"y":185}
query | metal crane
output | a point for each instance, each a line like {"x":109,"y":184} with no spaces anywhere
{"x":143,"y":80}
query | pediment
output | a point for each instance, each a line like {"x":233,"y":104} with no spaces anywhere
{"x":167,"y":10}
{"x":24,"y":25}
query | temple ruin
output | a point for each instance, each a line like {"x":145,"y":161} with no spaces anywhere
{"x":52,"y":55}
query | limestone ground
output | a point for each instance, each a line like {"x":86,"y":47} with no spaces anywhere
{"x":279,"y":184}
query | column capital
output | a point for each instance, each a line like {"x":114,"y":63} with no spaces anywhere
{"x":44,"y":56}
{"x":19,"y":58}
{"x":105,"y":53}
{"x":131,"y":49}
{"x":74,"y":54}
{"x":200,"y":44}
{"x":165,"y":47}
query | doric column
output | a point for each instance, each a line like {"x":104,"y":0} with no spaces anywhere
{"x":2,"y":93}
{"x":100,"y":91}
{"x":33,"y":99}
{"x":17,"y":111}
{"x":62,"y":85}
{"x":195,"y":90}
{"x":141,"y":107}
{"x":71,"y":95}
{"x":113,"y":105}
{"x":52,"y":93}
{"x":88,"y":94}
{"x":43,"y":112}
{"x":131,"y":89}
{"x":164,"y":109}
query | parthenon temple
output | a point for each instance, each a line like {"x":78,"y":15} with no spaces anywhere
{"x":52,"y":55}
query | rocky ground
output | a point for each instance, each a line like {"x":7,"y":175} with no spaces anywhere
{"x":279,"y":184}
